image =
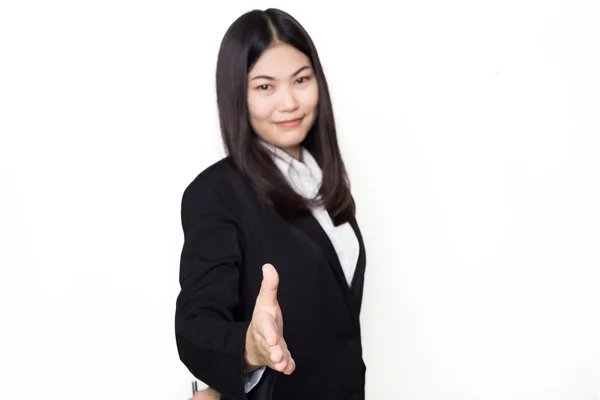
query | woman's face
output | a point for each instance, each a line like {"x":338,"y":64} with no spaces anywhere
{"x":282,"y":97}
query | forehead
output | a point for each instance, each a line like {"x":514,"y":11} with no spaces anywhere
{"x":280,"y":61}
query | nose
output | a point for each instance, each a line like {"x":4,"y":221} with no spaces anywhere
{"x":288,"y":101}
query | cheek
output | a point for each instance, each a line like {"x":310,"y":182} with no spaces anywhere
{"x":260,"y":109}
{"x":310,"y":98}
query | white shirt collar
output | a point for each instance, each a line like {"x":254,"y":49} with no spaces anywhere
{"x":304,"y":176}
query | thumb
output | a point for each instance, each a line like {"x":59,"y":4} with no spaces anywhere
{"x":269,"y":286}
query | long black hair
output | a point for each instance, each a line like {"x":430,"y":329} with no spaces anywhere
{"x":244,"y":42}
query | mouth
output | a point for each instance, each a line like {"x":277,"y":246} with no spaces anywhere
{"x":290,"y":122}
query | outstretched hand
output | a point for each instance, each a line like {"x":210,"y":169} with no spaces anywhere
{"x":265,"y":345}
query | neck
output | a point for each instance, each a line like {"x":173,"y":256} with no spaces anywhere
{"x":294,"y":152}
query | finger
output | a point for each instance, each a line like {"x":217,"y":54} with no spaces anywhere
{"x":280,"y":352}
{"x":286,"y":362}
{"x":280,"y":366}
{"x":290,"y":367}
{"x":268,"y":289}
{"x":276,"y":354}
{"x":284,"y":347}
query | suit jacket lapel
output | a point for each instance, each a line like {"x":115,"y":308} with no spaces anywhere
{"x":358,"y":279}
{"x":308,"y":228}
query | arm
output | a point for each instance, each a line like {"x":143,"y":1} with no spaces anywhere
{"x":209,"y":341}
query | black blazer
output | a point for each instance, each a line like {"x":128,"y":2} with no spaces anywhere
{"x":228,"y":236}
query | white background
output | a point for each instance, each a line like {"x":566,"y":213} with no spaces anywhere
{"x":471,"y":131}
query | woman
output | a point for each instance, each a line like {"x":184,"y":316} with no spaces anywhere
{"x":270,"y":231}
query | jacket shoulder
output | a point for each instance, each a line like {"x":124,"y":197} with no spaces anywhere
{"x":214,"y":184}
{"x":213,"y":176}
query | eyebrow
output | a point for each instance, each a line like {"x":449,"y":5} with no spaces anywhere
{"x":272,"y":79}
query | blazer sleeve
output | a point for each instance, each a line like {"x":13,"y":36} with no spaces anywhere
{"x":209,"y":341}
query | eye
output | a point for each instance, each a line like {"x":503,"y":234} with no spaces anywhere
{"x":266,"y":86}
{"x":302,"y":79}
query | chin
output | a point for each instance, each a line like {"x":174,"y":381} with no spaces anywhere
{"x":289,"y":139}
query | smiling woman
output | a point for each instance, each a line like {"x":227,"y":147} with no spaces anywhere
{"x":272,"y":46}
{"x":270,"y":231}
{"x":282,"y":98}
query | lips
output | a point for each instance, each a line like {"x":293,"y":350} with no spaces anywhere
{"x":290,"y":122}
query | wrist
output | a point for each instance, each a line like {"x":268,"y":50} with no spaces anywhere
{"x":248,"y":367}
{"x":250,"y":361}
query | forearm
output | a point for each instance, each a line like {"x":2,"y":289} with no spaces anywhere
{"x":213,"y":353}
